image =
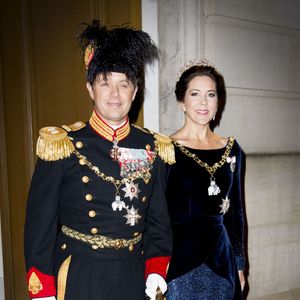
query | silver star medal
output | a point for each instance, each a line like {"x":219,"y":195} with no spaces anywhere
{"x":118,"y":204}
{"x":131,"y":190}
{"x":231,"y":161}
{"x":132,"y":216}
{"x":225,"y":205}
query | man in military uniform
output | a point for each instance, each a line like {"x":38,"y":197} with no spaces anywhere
{"x":97,"y":225}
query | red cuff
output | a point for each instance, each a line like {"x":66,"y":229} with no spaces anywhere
{"x":40,"y":284}
{"x":158,"y":265}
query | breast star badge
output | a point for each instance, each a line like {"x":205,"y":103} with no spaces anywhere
{"x":131,"y":190}
{"x":132,"y":216}
{"x":225,"y":205}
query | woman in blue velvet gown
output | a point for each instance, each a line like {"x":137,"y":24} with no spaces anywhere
{"x":204,"y":194}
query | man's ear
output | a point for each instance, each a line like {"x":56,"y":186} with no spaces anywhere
{"x":90,"y":90}
{"x":134,"y":93}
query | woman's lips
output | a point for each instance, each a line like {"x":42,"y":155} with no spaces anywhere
{"x":202,"y":112}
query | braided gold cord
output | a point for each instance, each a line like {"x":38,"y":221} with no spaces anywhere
{"x":100,"y":241}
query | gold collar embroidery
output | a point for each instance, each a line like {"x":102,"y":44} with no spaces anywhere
{"x":103,"y":129}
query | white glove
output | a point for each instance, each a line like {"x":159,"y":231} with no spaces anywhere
{"x":45,"y":298}
{"x":152,"y":283}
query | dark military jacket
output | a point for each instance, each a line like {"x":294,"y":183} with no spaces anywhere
{"x":75,"y":183}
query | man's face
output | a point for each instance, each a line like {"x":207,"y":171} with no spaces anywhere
{"x":112,"y":96}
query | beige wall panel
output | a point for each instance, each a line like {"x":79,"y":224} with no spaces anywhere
{"x":280,"y":13}
{"x":263,"y":121}
{"x":273,"y":210}
{"x":289,"y":295}
{"x":257,"y":56}
{"x":261,"y":66}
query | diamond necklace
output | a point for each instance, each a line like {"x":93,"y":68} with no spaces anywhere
{"x":213,"y":189}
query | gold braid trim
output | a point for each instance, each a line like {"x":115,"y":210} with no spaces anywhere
{"x":165,"y":148}
{"x":53,"y":144}
{"x":100,"y":241}
{"x":62,"y":278}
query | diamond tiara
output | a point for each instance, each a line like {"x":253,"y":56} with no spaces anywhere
{"x":196,"y":62}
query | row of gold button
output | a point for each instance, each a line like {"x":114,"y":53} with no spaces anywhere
{"x":89,"y":197}
{"x":85,"y":179}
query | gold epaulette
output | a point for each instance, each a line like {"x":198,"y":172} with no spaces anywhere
{"x":53,"y":144}
{"x":165,"y":148}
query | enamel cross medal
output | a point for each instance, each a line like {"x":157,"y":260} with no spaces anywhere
{"x":114,"y":152}
{"x":132,"y":216}
{"x":213,"y":189}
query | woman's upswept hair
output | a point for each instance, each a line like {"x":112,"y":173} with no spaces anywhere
{"x":202,"y":68}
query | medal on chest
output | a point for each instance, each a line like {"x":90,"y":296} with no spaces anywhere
{"x":134,"y":164}
{"x":114,"y":152}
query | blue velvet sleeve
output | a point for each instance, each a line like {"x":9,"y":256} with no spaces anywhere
{"x":234,"y":218}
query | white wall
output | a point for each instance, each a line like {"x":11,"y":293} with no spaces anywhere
{"x":151,"y":104}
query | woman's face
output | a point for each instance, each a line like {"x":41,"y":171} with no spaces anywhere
{"x":200,"y":101}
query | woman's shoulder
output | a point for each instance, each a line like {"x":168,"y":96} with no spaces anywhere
{"x":237,"y":149}
{"x":236,"y":142}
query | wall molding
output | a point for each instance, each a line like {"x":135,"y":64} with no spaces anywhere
{"x":263,"y":93}
{"x":253,"y":25}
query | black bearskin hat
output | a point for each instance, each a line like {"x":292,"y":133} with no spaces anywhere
{"x":120,"y":49}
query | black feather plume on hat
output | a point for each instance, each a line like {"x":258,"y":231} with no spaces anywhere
{"x":120,"y":49}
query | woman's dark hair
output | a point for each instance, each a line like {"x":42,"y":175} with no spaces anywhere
{"x":203,"y":70}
